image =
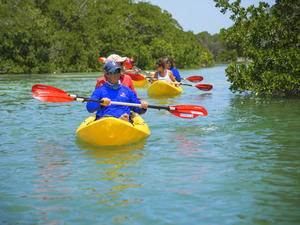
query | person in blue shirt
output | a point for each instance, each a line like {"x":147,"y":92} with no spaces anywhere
{"x":170,"y":65}
{"x":113,"y":90}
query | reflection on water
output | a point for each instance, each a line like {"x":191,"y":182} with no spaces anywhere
{"x":261,"y":135}
{"x":203,"y":96}
{"x":116,"y":169}
{"x":189,"y":144}
{"x":186,"y":146}
{"x":267,"y":119}
{"x":49,"y":184}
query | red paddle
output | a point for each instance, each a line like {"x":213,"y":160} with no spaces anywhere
{"x":194,"y":79}
{"x":202,"y":87}
{"x":51,"y":94}
{"x":102,"y":59}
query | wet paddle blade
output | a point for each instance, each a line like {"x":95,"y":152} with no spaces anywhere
{"x":194,"y":79}
{"x":204,"y":87}
{"x":188,"y":111}
{"x":102,"y":59}
{"x":50,"y":94}
{"x":53,"y":98}
{"x":136,"y":77}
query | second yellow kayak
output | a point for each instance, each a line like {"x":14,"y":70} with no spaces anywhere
{"x":163,"y":88}
{"x":140,"y":83}
{"x":112,"y":131}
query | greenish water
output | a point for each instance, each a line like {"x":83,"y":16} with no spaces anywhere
{"x":238,"y":165}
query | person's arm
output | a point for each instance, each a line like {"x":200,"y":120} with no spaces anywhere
{"x":129,"y":71}
{"x":172,"y":76}
{"x":132,"y":71}
{"x":154,"y":77}
{"x":95,"y":106}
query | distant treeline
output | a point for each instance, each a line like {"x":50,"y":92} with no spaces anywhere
{"x":42,"y":36}
{"x":222,"y":50}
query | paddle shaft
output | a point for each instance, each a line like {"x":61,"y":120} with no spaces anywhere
{"x":203,"y":87}
{"x":150,"y":78}
{"x":51,"y":94}
{"x":83,"y":99}
{"x":198,"y":78}
{"x":191,"y":85}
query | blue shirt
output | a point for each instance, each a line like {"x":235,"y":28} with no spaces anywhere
{"x":123,"y":94}
{"x":176,"y":74}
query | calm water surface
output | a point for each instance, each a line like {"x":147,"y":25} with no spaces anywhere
{"x":238,"y":165}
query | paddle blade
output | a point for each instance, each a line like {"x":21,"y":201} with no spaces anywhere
{"x":50,"y":94}
{"x":54,"y":98}
{"x":45,"y":88}
{"x":102,"y":59}
{"x":194,"y":79}
{"x":204,"y":87}
{"x":136,"y":77}
{"x":127,"y":65}
{"x":188,"y":111}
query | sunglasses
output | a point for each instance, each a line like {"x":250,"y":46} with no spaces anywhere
{"x":115,"y":71}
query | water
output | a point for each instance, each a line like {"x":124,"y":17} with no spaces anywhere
{"x":238,"y":165}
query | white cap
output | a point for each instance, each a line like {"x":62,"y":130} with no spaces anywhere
{"x":116,"y":58}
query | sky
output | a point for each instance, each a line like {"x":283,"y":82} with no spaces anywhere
{"x":200,"y":15}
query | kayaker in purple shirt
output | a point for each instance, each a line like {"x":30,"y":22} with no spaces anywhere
{"x":113,"y":90}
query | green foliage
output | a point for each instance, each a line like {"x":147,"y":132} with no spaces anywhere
{"x":222,"y":50}
{"x":40,"y":36}
{"x":227,"y":56}
{"x":269,"y":36}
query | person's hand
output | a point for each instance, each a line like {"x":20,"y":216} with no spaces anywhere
{"x":144,"y":104}
{"x":153,"y":78}
{"x":152,"y":74}
{"x":106,"y":101}
{"x":125,"y":117}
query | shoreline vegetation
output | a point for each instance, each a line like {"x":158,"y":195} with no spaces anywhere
{"x":48,"y":37}
{"x":269,"y":36}
{"x":56,"y":36}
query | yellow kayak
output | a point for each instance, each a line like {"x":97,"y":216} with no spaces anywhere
{"x":112,"y":131}
{"x":140,"y":83}
{"x":163,"y":88}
